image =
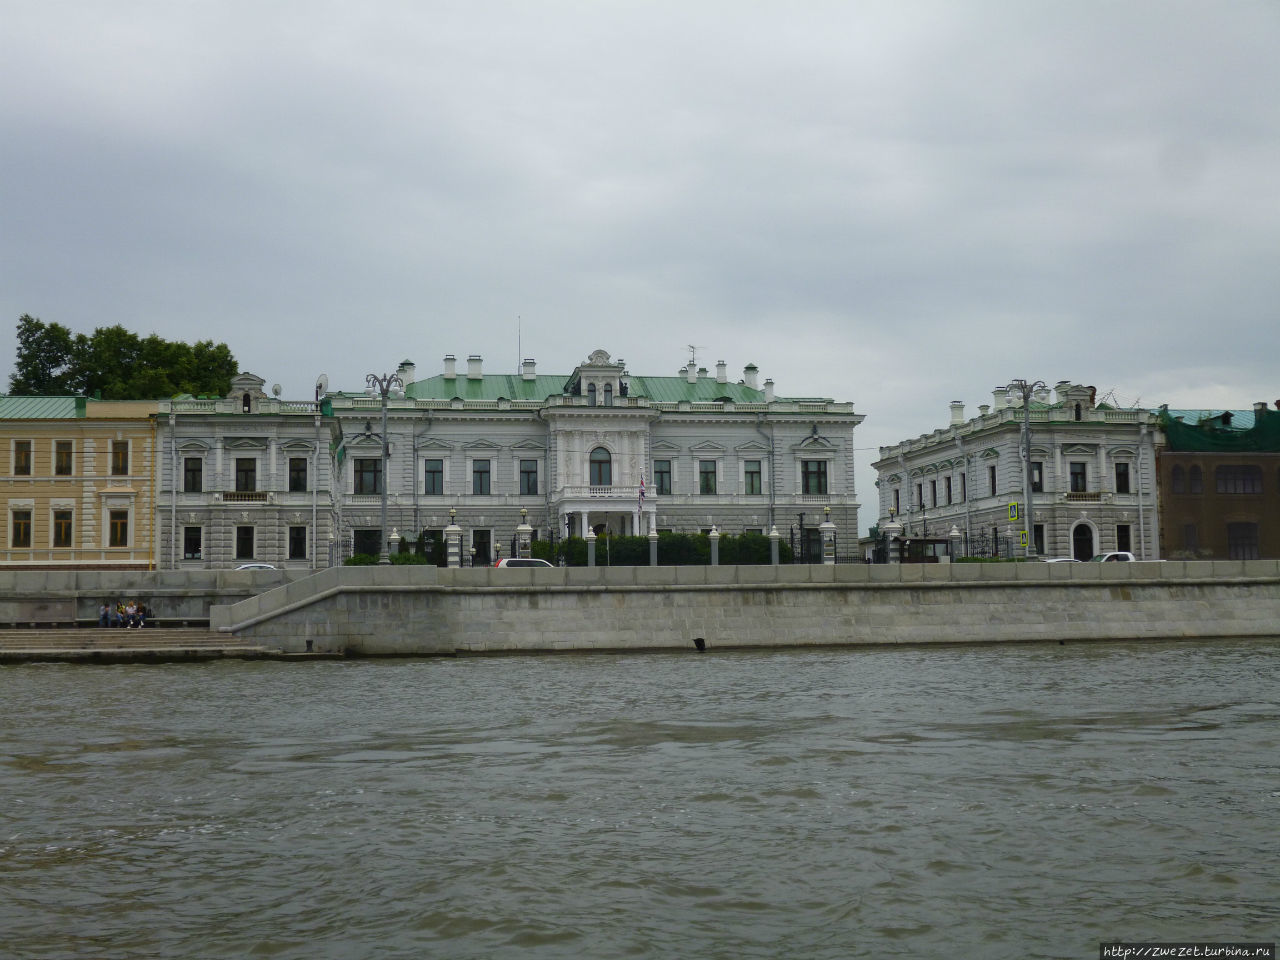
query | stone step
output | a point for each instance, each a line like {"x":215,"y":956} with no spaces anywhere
{"x":118,"y":639}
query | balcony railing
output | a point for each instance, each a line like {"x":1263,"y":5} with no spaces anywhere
{"x":245,"y":496}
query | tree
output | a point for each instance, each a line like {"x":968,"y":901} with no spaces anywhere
{"x":116,"y":364}
{"x":43,"y":364}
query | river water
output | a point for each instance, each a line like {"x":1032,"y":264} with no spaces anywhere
{"x":991,"y":802}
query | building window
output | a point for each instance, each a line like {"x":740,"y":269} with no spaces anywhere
{"x":662,"y":477}
{"x":368,"y":475}
{"x":991,"y":481}
{"x":20,"y":525}
{"x":529,"y":477}
{"x":1242,"y":541}
{"x":1195,"y":480}
{"x":433,"y":478}
{"x":897,"y":500}
{"x":119,"y":458}
{"x":813,"y":478}
{"x":1079,"y":477}
{"x":1038,"y":538}
{"x":192,"y":475}
{"x":751,"y":480}
{"x":480,"y":477}
{"x":964,"y":487}
{"x":22,"y":458}
{"x":191,"y":540}
{"x":1124,"y":537}
{"x":118,"y":525}
{"x":608,"y":394}
{"x":297,"y":543}
{"x":297,"y":474}
{"x":933,"y":493}
{"x":246,"y":474}
{"x":1178,"y":479}
{"x":920,"y":495}
{"x":62,"y":528}
{"x":1190,"y":537}
{"x":591,"y":394}
{"x":947,"y":484}
{"x":1037,"y":476}
{"x":601,"y":468}
{"x":244,"y":543}
{"x":1238,"y":478}
{"x":706,"y":477}
{"x":62,"y":458}
{"x":1122,"y":478}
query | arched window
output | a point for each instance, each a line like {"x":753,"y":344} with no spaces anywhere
{"x":601,"y":468}
{"x":608,"y":394}
{"x":245,"y":403}
{"x":591,"y":394}
{"x":1078,"y":411}
{"x":1179,"y":480}
{"x":1196,"y":480}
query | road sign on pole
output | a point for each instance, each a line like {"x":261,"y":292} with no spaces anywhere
{"x":1014,"y":512}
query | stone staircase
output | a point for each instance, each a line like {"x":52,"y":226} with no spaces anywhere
{"x":148,"y":643}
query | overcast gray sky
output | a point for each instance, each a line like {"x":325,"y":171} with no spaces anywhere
{"x":898,"y":204}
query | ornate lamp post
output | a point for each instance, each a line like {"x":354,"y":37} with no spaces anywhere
{"x":1026,"y":390}
{"x":384,"y":386}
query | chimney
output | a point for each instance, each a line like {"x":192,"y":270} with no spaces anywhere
{"x":527,"y":370}
{"x":405,"y":372}
{"x":749,"y":376}
{"x":702,"y":373}
{"x":721,"y":372}
{"x":768,"y":391}
{"x":450,"y":373}
{"x":1259,"y":411}
{"x":984,"y":409}
{"x":999,"y":398}
{"x":690,"y":373}
{"x":473,"y":367}
{"x":957,"y":411}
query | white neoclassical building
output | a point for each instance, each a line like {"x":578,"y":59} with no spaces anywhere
{"x":1093,"y":480}
{"x":250,"y":477}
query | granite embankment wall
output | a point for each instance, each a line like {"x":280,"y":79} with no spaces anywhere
{"x":423,"y":611}
{"x":41,"y":597}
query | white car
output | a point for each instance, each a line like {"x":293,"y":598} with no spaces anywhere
{"x":256,"y":566}
{"x":521,"y":562}
{"x":1059,"y":559}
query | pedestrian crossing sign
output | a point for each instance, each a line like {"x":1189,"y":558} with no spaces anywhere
{"x":1014,"y":512}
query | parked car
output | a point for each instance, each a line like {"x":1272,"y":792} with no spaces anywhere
{"x":521,"y":562}
{"x":1114,"y":555}
{"x":256,"y":566}
{"x":1059,"y":559}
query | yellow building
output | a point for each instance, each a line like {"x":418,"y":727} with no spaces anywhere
{"x":77,"y":483}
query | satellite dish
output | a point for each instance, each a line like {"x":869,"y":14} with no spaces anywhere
{"x":322,"y":385}
{"x":275,"y":390}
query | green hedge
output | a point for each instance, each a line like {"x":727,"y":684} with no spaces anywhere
{"x":674,"y":550}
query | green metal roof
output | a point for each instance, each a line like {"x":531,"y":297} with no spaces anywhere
{"x":1240,"y":419}
{"x":515,"y":387}
{"x":41,"y":408}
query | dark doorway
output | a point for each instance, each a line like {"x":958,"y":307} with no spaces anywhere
{"x":367,"y":542}
{"x":1082,"y":542}
{"x":483,"y":542}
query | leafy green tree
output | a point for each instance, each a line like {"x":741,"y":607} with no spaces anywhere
{"x":44,"y":361}
{"x":116,"y":364}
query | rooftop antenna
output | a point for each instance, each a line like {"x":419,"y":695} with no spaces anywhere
{"x":693,"y":354}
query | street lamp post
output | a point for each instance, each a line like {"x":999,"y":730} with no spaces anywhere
{"x":1026,"y":390}
{"x":384,"y":386}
